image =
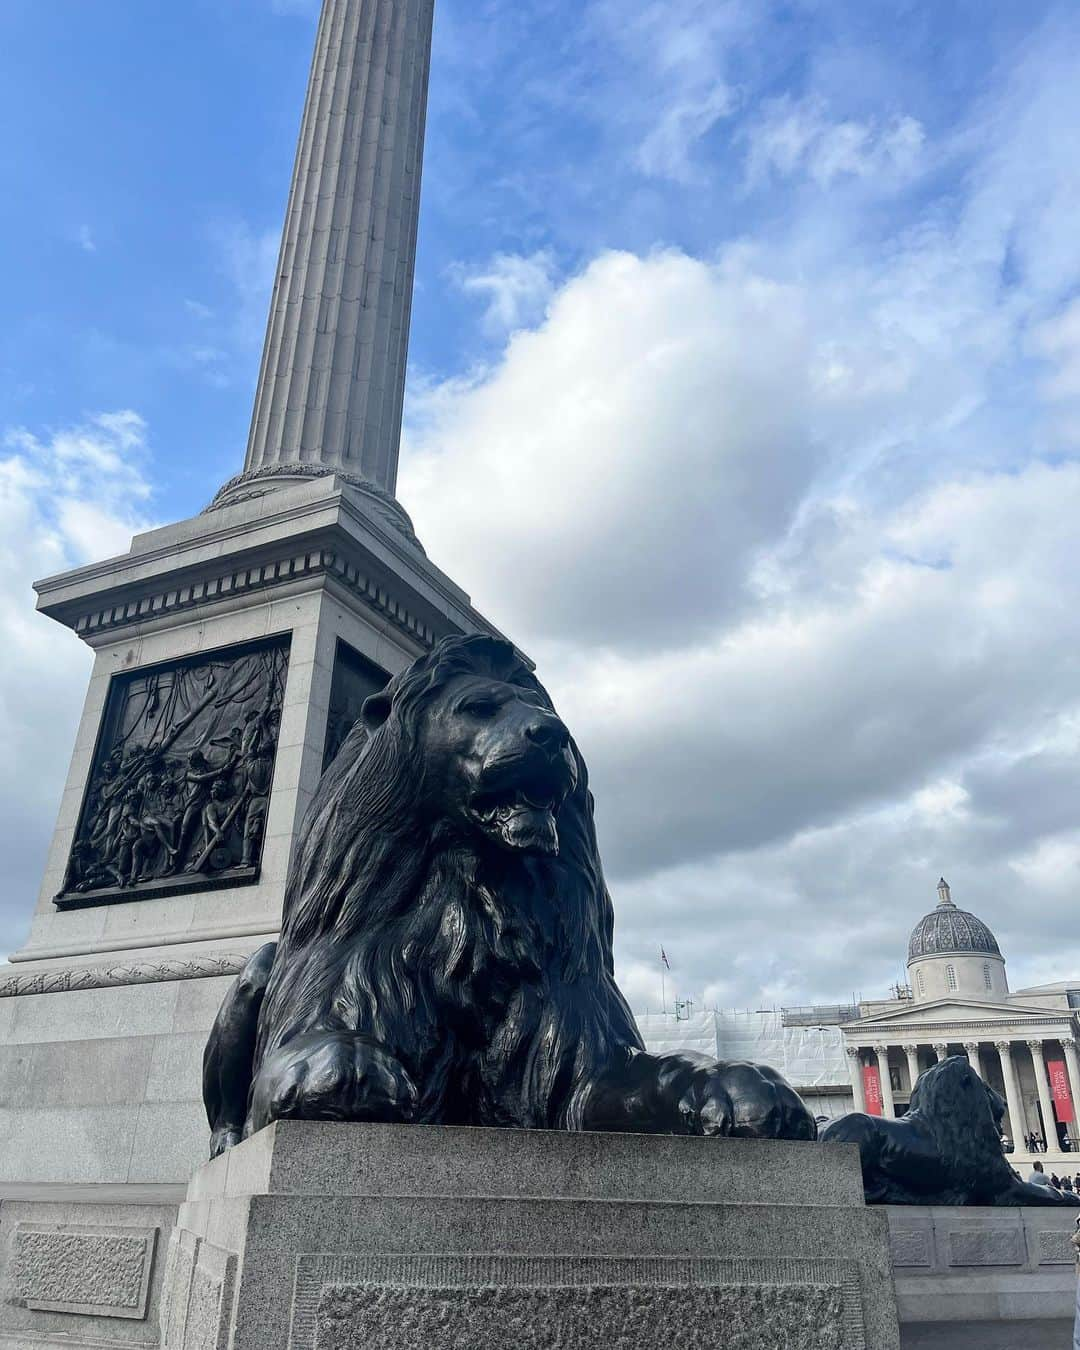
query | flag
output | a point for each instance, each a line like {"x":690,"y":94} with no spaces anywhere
{"x":663,"y":957}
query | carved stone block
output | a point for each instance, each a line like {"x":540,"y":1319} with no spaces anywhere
{"x":914,"y":1247}
{"x":531,"y":1303}
{"x":986,"y":1247}
{"x":176,"y":1289}
{"x":99,"y":1272}
{"x":1056,"y":1249}
{"x":198,"y":1293}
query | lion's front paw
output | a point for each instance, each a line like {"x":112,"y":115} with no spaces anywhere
{"x":222,"y":1139}
{"x":747,"y":1101}
{"x":332,"y":1076}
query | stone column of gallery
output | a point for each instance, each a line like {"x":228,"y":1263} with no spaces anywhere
{"x":858,"y":1088}
{"x":1017,"y":1121}
{"x":971,"y":1049}
{"x":1072,"y":1063}
{"x":332,"y":380}
{"x":1045,"y":1104}
{"x":887,"y":1104}
{"x":912,"y":1053}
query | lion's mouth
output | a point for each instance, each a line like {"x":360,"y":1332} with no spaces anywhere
{"x":520,"y":821}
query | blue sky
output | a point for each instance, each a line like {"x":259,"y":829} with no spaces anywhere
{"x":146,"y":192}
{"x":752,"y":327}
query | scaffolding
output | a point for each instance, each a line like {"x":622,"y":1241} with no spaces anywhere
{"x":809,"y":1055}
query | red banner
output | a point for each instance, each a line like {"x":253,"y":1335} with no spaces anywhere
{"x":1059,"y":1090}
{"x":872,"y":1089}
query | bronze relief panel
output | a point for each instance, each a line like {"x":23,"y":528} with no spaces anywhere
{"x":180,"y":784}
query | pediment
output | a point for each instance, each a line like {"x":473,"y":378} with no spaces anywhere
{"x":945,"y":1010}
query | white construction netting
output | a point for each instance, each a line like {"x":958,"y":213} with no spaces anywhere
{"x":806,"y":1056}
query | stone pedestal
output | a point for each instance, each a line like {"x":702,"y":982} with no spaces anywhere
{"x":337,"y":1237}
{"x":1005,"y":1270}
{"x":105,"y":1012}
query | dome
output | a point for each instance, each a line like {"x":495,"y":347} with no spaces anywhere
{"x":947,"y":930}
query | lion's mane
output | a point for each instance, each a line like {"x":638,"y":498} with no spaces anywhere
{"x":394,"y":929}
{"x":962,"y":1113}
{"x":945,"y":1151}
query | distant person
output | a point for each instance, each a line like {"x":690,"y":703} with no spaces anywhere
{"x":1055,"y":1181}
{"x":1006,"y":1144}
{"x":1066,"y":1185}
{"x":1037,"y":1176}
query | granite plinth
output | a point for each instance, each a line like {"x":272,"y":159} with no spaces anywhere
{"x":982,"y":1266}
{"x":340,"y":1236}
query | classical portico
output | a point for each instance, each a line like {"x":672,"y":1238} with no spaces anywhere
{"x":959,"y":1003}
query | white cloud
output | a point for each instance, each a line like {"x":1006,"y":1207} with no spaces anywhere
{"x":85,"y":239}
{"x":1058,"y":339}
{"x":668,"y":81}
{"x":248,"y":257}
{"x":799,"y":137}
{"x":644,"y":516}
{"x":776,"y":526}
{"x":666,"y":151}
{"x":515,"y":289}
{"x":66,"y":497}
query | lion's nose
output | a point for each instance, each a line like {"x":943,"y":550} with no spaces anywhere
{"x":549,"y":734}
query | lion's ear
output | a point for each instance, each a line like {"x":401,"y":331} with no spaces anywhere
{"x":376,"y":710}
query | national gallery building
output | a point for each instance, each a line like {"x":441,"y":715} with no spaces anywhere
{"x":866,"y":1057}
{"x":1023,"y":1043}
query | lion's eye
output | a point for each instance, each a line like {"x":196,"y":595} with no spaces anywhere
{"x":480,"y":707}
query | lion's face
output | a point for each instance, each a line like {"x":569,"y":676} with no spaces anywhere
{"x":499,"y":761}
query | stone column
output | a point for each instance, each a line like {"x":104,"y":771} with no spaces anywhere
{"x":887,"y":1105}
{"x":1045,"y":1102}
{"x":1072,"y":1064}
{"x":912,"y":1053}
{"x":332,"y":380}
{"x":971,"y":1049}
{"x":1017,"y":1123}
{"x":854,"y":1058}
{"x":941,"y":1050}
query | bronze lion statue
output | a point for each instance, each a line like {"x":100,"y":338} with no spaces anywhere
{"x":446,"y":944}
{"x":945,"y":1151}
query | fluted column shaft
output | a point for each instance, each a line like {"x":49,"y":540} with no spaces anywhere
{"x":912,"y":1053}
{"x":1047,"y":1106}
{"x":1017,"y":1122}
{"x":971,"y":1049}
{"x":1072,"y":1064}
{"x":888,"y":1106}
{"x":332,"y":380}
{"x":858,"y":1088}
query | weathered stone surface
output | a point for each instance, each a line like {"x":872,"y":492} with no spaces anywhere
{"x":406,"y":1236}
{"x":358,"y":1317}
{"x":1056,"y":1249}
{"x":102,"y":1273}
{"x":197,"y":1295}
{"x":448,"y":1161}
{"x":912,"y":1248}
{"x":985,"y":1265}
{"x":986,"y":1247}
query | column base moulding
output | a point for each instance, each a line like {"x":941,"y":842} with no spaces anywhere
{"x":157,"y":971}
